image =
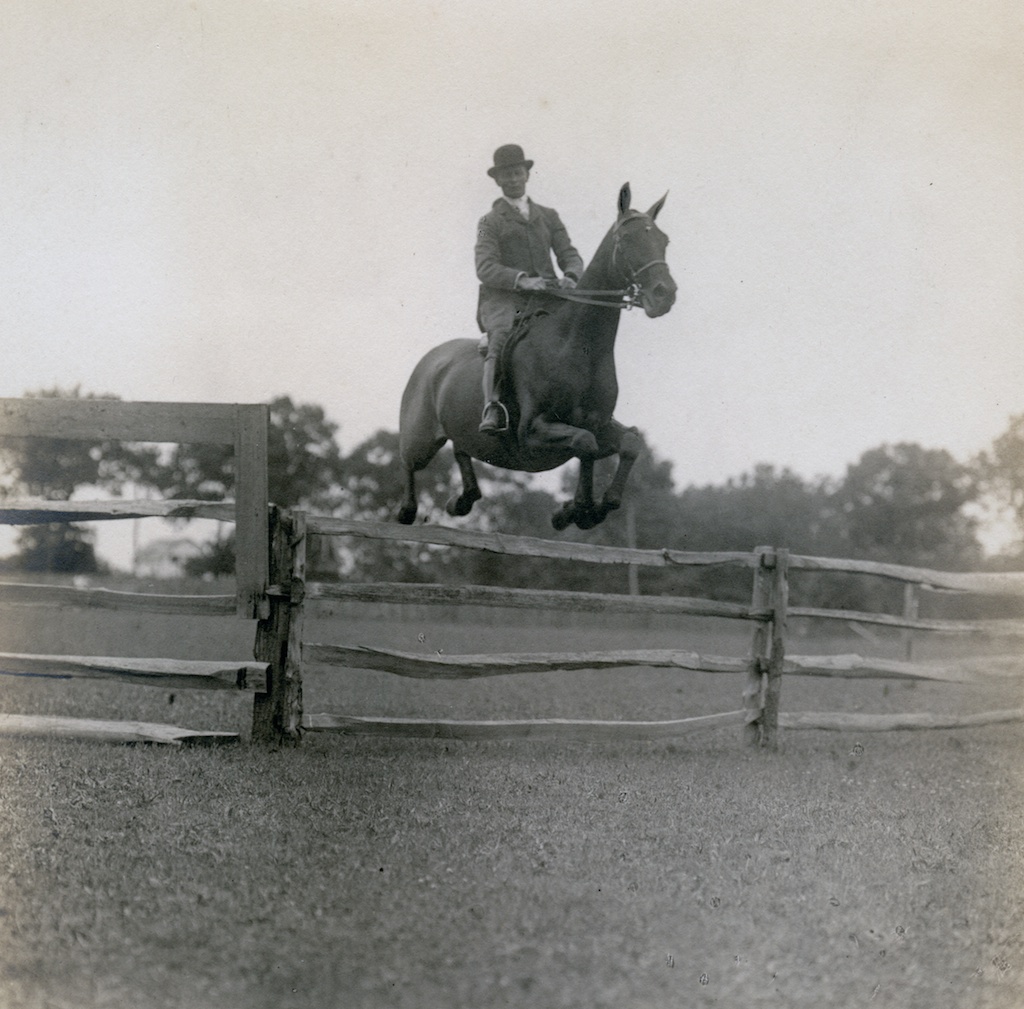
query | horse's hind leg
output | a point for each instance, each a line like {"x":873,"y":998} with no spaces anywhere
{"x":414,"y":457}
{"x":407,"y":509}
{"x":463,"y":504}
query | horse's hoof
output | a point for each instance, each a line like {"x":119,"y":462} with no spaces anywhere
{"x":461,"y":505}
{"x":561,"y":519}
{"x":407,"y":516}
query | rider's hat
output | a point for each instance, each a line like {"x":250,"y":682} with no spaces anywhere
{"x":508,"y":156}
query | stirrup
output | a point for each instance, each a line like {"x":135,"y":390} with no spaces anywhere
{"x":489,"y":427}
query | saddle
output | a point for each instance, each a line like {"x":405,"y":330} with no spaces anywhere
{"x":502,"y":378}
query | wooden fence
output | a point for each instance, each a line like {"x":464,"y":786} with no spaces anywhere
{"x":762,"y":669}
{"x":273,"y":589}
{"x":242,"y":426}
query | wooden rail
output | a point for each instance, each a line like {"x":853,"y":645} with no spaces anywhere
{"x":53,"y":726}
{"x":548,"y":599}
{"x":15,"y":512}
{"x":525,"y":546}
{"x":540,"y":728}
{"x":988,"y":669}
{"x":860,"y":722}
{"x":24,"y":594}
{"x":167,"y":673}
{"x":465,"y":667}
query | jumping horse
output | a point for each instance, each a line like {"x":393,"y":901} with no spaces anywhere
{"x":558,"y":379}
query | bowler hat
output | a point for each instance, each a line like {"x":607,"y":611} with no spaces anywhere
{"x":508,"y":156}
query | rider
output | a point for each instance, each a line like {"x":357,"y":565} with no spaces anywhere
{"x":513,"y":259}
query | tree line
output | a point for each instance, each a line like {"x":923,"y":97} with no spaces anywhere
{"x":900,"y":503}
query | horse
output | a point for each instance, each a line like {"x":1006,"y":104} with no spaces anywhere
{"x":558,"y":379}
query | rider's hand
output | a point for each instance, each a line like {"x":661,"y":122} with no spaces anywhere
{"x":482,"y":345}
{"x":566,"y":283}
{"x":532,"y":284}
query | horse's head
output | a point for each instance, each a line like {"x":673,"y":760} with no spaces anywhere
{"x":638,"y":254}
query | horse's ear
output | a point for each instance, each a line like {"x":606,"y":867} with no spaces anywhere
{"x":653,"y":212}
{"x":624,"y":197}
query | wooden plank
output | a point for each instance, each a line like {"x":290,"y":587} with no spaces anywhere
{"x":35,"y":511}
{"x":524,"y":546}
{"x":52,"y":726}
{"x":461,"y":667}
{"x":481,"y":595}
{"x":984,"y":582}
{"x":861,"y":722}
{"x":24,"y":594}
{"x":544,"y":728}
{"x":186,"y":674}
{"x":111,"y":419}
{"x":980,"y":669}
{"x":252,"y":530}
{"x":987,"y":628}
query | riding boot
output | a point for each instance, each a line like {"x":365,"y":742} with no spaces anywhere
{"x":495,"y":416}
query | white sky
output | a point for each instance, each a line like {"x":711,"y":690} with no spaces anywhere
{"x":233,"y":200}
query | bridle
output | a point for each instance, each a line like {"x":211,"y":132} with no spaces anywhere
{"x":626,"y":297}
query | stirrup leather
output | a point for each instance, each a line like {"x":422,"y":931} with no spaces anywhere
{"x":503,"y":426}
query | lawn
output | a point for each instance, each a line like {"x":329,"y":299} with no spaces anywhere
{"x":847,"y":870}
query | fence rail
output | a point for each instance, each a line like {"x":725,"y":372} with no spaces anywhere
{"x":14,"y":512}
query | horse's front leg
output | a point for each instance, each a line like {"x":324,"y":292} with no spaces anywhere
{"x":541,"y":433}
{"x":545,"y":434}
{"x":626,"y":442}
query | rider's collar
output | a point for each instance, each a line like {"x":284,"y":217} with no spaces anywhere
{"x":522,"y":204}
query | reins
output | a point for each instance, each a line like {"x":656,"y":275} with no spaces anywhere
{"x":628,"y":296}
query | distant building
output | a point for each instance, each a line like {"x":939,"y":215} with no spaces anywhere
{"x":165,"y":558}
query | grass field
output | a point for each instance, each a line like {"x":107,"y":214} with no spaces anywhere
{"x":847,"y":870}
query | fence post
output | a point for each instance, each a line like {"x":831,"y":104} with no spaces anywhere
{"x":753,"y":692}
{"x":777,"y":655}
{"x":911,"y":609}
{"x":277,"y":714}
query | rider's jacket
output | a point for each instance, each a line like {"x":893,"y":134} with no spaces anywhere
{"x":508,"y":246}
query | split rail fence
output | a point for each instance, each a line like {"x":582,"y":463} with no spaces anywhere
{"x":762,"y":669}
{"x":272,"y":588}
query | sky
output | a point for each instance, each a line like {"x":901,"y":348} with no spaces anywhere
{"x":230,"y":201}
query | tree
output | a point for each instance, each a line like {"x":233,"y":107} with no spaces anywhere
{"x":1001,"y":471}
{"x":54,"y":468}
{"x":303,"y":461}
{"x":904,"y":503}
{"x":303,"y":470}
